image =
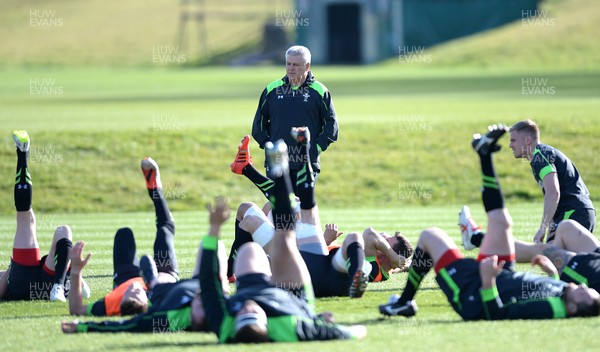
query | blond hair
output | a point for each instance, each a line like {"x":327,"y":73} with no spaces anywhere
{"x":528,"y":126}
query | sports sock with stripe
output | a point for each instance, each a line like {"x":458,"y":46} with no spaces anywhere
{"x":420,"y":265}
{"x":491,"y":192}
{"x":23,"y":185}
{"x":356,"y":257}
{"x":61,"y":260}
{"x":241,"y":237}
{"x":264,"y":184}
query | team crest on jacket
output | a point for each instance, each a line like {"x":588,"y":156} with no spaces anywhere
{"x":306,"y":96}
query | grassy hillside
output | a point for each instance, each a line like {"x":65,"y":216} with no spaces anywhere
{"x":131,"y":33}
{"x":125,"y":33}
{"x":563,"y":35}
{"x":404,"y":135}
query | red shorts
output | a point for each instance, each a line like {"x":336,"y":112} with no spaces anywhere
{"x":449,"y":257}
{"x":29,"y":257}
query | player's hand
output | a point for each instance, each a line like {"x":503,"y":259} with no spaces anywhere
{"x":77,"y":261}
{"x":540,"y":235}
{"x":69,"y":327}
{"x":545,"y":264}
{"x":218,"y":214}
{"x":331,"y":233}
{"x":358,"y":331}
{"x":328,"y":317}
{"x":489,"y":268}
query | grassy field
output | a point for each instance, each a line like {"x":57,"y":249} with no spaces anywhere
{"x":404,"y":133}
{"x":95,"y":102}
{"x":436,"y":326}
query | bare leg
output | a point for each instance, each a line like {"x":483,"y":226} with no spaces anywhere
{"x":498,"y":239}
{"x":25,"y":236}
{"x":251,"y":259}
{"x":435,"y":242}
{"x":525,"y":251}
{"x":570,"y":235}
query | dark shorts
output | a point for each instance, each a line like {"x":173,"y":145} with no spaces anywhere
{"x":460,"y":283}
{"x":29,"y":282}
{"x":585,"y":217}
{"x":325,"y":279}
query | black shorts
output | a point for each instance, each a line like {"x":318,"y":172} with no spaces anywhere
{"x":585,"y":217}
{"x":30,"y":282}
{"x":460,"y":283}
{"x":326,"y":281}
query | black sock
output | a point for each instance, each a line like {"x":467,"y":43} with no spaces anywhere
{"x":126,"y":263}
{"x":261,"y":181}
{"x":282,"y":202}
{"x":61,"y":259}
{"x":23,"y":184}
{"x":491,"y":193}
{"x":420,"y":265}
{"x":356,"y":257}
{"x":164,"y":252}
{"x":241,"y":237}
{"x":161,"y":209}
{"x":477,"y":238}
{"x":305,"y":182}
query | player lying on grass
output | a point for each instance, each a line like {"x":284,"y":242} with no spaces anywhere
{"x":175,"y":306}
{"x":340,"y":271}
{"x":386,"y":253}
{"x":575,"y":253}
{"x":31,"y":276}
{"x":273,"y":302}
{"x":129,"y":287}
{"x":488,"y":288}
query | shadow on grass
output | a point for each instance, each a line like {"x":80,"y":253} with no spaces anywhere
{"x":97,"y":276}
{"x":396,"y":290}
{"x":32,"y":317}
{"x":155,"y":345}
{"x":396,"y":320}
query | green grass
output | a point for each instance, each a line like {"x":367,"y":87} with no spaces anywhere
{"x":59,"y":32}
{"x":560,"y":37}
{"x":404,"y":133}
{"x":436,"y":327}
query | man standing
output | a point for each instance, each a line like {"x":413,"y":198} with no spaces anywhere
{"x":565,"y":194}
{"x":297,"y":100}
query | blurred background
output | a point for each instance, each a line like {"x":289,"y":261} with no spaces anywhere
{"x":100,"y":84}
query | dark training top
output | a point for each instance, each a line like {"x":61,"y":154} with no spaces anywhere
{"x":584,"y":268}
{"x":282,"y":107}
{"x":289,"y":318}
{"x":517,"y":295}
{"x":574,"y":194}
{"x":170,"y":311}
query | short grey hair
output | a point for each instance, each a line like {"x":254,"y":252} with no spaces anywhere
{"x":299,"y":50}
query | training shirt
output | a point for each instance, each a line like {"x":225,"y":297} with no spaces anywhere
{"x":282,"y":107}
{"x":170,"y":313}
{"x":377,"y":273}
{"x":574,"y":194}
{"x":110,"y":305}
{"x":584,"y":268}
